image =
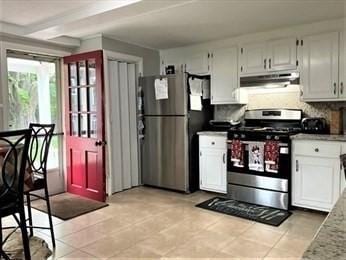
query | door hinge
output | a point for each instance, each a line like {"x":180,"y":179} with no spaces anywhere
{"x":297,"y":42}
{"x":241,"y":50}
{"x":200,"y":153}
{"x":301,"y":42}
{"x":208,"y":55}
{"x":297,"y":63}
{"x":241,"y":68}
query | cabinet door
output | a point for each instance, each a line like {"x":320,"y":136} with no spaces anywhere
{"x":213,"y":170}
{"x":316,"y":182}
{"x":319,"y":75}
{"x":253,"y":59}
{"x":282,"y":54}
{"x":198,"y":63}
{"x":224,"y":76}
{"x":342,"y":66}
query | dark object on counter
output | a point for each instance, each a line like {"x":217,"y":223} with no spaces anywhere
{"x":315,"y":125}
{"x":262,"y":214}
{"x":170,"y":70}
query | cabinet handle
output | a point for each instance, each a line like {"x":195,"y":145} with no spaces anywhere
{"x":341,"y":88}
{"x":265,"y":63}
{"x":334,"y":88}
{"x":270,"y":63}
{"x":224,"y":158}
{"x":297,"y":166}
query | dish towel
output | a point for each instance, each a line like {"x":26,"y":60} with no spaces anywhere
{"x":271,"y":156}
{"x":237,"y":153}
{"x":256,"y":160}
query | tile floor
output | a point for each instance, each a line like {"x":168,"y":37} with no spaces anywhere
{"x":156,"y":224}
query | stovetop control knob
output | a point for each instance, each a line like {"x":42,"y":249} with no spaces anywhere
{"x":276,"y":137}
{"x":268,"y":137}
{"x":242,"y":136}
{"x":235,"y":136}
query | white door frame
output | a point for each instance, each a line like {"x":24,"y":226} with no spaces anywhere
{"x":56,"y":175}
{"x":115,"y":56}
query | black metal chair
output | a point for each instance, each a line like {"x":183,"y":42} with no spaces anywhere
{"x":14,"y":153}
{"x":41,"y":137}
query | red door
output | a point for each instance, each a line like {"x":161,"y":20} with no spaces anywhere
{"x":84,"y":121}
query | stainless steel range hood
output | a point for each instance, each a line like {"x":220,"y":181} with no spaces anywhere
{"x":278,"y":79}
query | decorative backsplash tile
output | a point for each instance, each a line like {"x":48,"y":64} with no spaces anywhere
{"x":278,"y":100}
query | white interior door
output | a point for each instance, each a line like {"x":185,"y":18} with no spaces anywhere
{"x":122,"y":134}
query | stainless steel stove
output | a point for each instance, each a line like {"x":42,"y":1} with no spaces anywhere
{"x":262,"y":185}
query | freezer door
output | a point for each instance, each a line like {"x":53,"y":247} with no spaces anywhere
{"x":176,"y":104}
{"x":165,"y":152}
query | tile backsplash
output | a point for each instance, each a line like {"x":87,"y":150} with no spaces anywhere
{"x":278,"y":100}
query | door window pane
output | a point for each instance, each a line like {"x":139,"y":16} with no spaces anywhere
{"x":74,"y":99}
{"x":83,"y":100}
{"x":84,"y":125}
{"x":82,"y":73}
{"x":73,"y":74}
{"x":92,"y":99}
{"x":92,"y":72}
{"x":93,"y":126}
{"x":74,"y":124}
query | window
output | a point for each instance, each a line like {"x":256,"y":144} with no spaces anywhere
{"x":34,"y":95}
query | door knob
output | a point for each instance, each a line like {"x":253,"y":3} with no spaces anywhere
{"x":100,"y":143}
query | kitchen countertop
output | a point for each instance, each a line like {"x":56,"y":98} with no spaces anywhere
{"x":330,"y":241}
{"x":213,"y":133}
{"x":317,"y":137}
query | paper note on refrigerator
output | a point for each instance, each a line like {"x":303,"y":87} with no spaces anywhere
{"x":195,"y":87}
{"x":161,"y":89}
{"x":195,"y":103}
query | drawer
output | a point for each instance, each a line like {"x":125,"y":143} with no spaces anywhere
{"x":317,"y":149}
{"x":219,"y":142}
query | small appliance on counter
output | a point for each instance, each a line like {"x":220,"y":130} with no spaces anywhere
{"x":315,"y":125}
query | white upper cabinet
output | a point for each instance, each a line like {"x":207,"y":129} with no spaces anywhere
{"x":198,"y":63}
{"x":342,"y":66}
{"x":269,"y":56}
{"x":224,"y":77}
{"x":320,"y":67}
{"x":282,"y":54}
{"x":252,"y":58}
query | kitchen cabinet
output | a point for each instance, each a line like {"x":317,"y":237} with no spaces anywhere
{"x":224,"y":85}
{"x":316,"y":174}
{"x":320,"y":67}
{"x":198,"y":63}
{"x":212,"y":163}
{"x":282,"y":54}
{"x":269,"y":56}
{"x":253,"y":58}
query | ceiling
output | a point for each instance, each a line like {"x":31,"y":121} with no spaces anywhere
{"x":160,"y":24}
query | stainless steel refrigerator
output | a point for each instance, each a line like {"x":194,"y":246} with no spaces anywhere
{"x":170,"y":145}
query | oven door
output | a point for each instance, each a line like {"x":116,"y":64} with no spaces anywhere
{"x":284,"y":165}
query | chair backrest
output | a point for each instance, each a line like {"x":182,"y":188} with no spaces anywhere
{"x":14,"y":147}
{"x":41,"y":137}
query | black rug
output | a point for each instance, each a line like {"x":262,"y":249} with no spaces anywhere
{"x":262,"y":214}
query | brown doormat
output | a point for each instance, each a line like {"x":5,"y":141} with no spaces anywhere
{"x":66,"y":205}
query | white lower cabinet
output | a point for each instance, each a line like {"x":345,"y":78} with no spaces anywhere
{"x":212,"y":163}
{"x":316,"y":174}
